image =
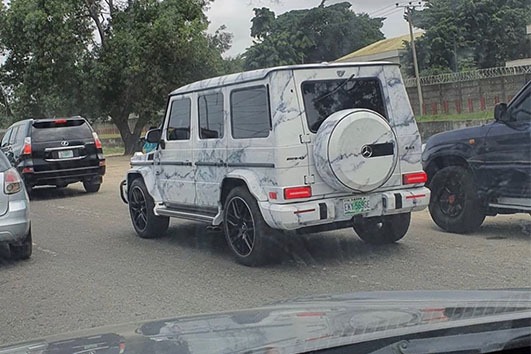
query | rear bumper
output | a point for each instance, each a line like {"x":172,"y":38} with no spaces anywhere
{"x":15,"y":223}
{"x":69,"y":175}
{"x":331,"y":210}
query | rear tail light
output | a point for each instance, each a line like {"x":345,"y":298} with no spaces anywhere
{"x":26,"y":150}
{"x":28,"y":170}
{"x":415,"y":178}
{"x":298,"y":192}
{"x":97,"y":140}
{"x":12,"y":181}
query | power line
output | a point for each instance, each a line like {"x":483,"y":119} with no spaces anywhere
{"x":385,"y":8}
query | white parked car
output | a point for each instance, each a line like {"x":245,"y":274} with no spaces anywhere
{"x":309,"y":147}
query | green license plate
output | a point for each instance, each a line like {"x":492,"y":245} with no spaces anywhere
{"x":356,"y":205}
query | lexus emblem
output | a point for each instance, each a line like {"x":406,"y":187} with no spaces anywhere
{"x":340,"y":73}
{"x":64,"y":143}
{"x":366,"y":151}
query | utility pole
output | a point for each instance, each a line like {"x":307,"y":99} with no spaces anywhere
{"x":408,"y":10}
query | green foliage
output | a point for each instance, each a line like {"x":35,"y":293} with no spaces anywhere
{"x":468,"y":34}
{"x":323,"y":33}
{"x":144,"y":49}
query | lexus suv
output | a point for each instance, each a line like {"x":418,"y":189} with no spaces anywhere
{"x":302,"y":148}
{"x":55,"y":152}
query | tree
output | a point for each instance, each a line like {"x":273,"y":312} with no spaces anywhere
{"x":467,"y":34}
{"x":323,"y":33}
{"x":149,"y":48}
{"x":45,"y":43}
{"x":144,"y":49}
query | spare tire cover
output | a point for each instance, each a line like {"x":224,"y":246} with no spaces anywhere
{"x":355,"y":150}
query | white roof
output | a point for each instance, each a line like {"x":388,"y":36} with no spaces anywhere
{"x":262,"y":73}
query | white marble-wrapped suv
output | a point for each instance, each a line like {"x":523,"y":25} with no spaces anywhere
{"x":309,"y":147}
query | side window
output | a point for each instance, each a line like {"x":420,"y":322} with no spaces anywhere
{"x":12,"y":138}
{"x":250,"y":115}
{"x":179,"y":125}
{"x":5,"y":139}
{"x":19,"y":139}
{"x":211,"y":116}
{"x":521,"y":112}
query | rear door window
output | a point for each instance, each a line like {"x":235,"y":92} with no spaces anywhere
{"x":4,"y":162}
{"x":53,"y":131}
{"x":12,"y":138}
{"x":322,"y":98}
{"x":5,"y":138}
{"x":250,"y":115}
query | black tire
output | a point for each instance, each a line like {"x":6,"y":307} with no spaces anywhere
{"x":91,"y":187}
{"x":23,"y":250}
{"x":381,"y":230}
{"x":141,"y":204}
{"x":454,"y":204}
{"x":249,"y":237}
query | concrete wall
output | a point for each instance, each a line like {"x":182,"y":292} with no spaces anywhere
{"x":467,"y":96}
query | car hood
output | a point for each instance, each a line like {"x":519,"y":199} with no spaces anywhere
{"x":298,"y":325}
{"x":457,"y":135}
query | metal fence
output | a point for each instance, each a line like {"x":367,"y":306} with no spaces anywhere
{"x":469,"y":75}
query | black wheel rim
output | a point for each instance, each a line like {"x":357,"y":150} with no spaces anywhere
{"x":240,"y":226}
{"x":452,"y":198}
{"x":138,"y":207}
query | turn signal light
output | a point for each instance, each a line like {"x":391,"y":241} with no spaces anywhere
{"x":26,"y":150}
{"x":12,"y":181}
{"x":97,"y":140}
{"x":415,"y":178}
{"x":298,"y":192}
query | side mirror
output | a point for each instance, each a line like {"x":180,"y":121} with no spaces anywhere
{"x":153,"y":136}
{"x":500,"y":112}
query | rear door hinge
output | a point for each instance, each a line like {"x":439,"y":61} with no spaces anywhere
{"x":309,"y":179}
{"x":305,"y":138}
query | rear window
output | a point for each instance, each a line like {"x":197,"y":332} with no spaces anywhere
{"x":322,"y":98}
{"x":4,"y":162}
{"x":53,"y":131}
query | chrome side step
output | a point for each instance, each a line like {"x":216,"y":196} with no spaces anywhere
{"x":163,"y":211}
{"x":512,"y":203}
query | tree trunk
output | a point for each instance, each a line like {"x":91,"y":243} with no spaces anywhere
{"x":130,"y":139}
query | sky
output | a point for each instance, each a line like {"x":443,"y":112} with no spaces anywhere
{"x":237,"y":15}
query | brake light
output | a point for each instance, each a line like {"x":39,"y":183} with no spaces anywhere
{"x":12,"y":181}
{"x":298,"y":192}
{"x":414,"y":178}
{"x":97,"y":140}
{"x":60,"y":121}
{"x":26,"y":150}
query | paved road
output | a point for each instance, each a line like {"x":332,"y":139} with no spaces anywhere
{"x":89,"y":269}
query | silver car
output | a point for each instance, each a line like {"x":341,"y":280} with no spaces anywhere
{"x":15,"y":226}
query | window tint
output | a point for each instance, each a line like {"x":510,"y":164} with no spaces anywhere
{"x":522,"y":111}
{"x":21,"y":134}
{"x":250,"y":116}
{"x":211,"y":116}
{"x":52,"y":131}
{"x":179,"y":125}
{"x":13,"y":136}
{"x":322,"y":98}
{"x":5,"y":138}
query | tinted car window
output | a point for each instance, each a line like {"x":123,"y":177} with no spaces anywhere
{"x":52,"y":131}
{"x":250,"y":116}
{"x":211,"y":116}
{"x":179,"y":125}
{"x":4,"y":162}
{"x":13,"y":136}
{"x":21,"y":134}
{"x":322,"y":98}
{"x":522,"y":110}
{"x":5,"y":138}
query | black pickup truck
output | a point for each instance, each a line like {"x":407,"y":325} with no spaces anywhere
{"x":481,"y":171}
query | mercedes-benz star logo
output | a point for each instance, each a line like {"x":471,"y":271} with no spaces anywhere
{"x":64,"y":143}
{"x":366,"y":151}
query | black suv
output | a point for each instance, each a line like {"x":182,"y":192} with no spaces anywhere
{"x":482,"y":171}
{"x":55,"y":152}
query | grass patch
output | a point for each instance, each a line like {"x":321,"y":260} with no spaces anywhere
{"x":109,"y":136}
{"x":113,"y":150}
{"x":452,"y":117}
